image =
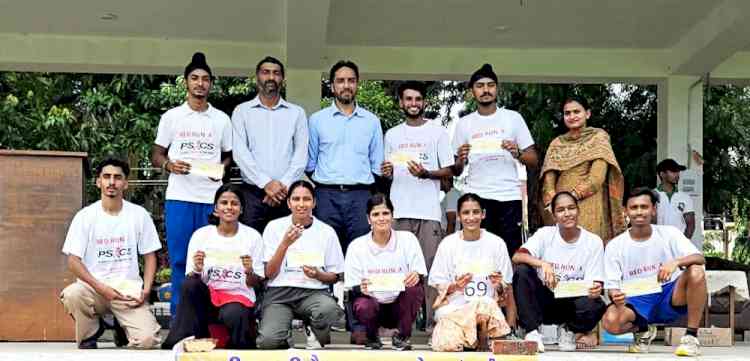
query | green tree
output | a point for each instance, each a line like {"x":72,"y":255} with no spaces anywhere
{"x":726,"y":149}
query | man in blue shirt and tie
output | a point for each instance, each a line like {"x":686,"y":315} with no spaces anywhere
{"x":345,"y":153}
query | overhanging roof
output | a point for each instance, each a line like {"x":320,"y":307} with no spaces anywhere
{"x":543,"y":40}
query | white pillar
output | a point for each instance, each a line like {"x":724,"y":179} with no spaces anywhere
{"x":680,"y":134}
{"x":303,"y":88}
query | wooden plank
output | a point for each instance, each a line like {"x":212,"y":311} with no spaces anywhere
{"x":42,"y":153}
{"x":39,"y":195}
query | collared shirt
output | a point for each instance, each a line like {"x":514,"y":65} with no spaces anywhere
{"x":269,"y":143}
{"x":194,"y":136}
{"x":345,"y":149}
{"x":673,"y":207}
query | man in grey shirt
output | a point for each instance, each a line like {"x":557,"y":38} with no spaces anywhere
{"x":269,"y":146}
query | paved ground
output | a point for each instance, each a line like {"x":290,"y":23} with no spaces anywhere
{"x":67,"y":352}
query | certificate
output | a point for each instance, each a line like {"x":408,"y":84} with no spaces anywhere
{"x":130,"y":288}
{"x":401,"y":159}
{"x":386,"y":282}
{"x":486,"y":146}
{"x":568,"y":289}
{"x":297,"y":259}
{"x":222,"y":258}
{"x":206,"y":169}
{"x":641,"y":286}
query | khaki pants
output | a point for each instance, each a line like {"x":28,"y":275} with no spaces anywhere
{"x":86,"y":306}
{"x":429,"y":233}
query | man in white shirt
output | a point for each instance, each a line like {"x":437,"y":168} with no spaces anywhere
{"x":269,"y":146}
{"x":675,"y":207}
{"x":662,"y":261}
{"x":491,"y":140}
{"x":102,"y":245}
{"x":418,"y":154}
{"x":193,"y":141}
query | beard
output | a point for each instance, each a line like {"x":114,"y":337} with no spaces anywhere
{"x":270,"y":87}
{"x":485,"y":103}
{"x":345,"y":97}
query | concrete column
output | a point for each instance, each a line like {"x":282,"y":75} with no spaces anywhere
{"x":303,"y":88}
{"x":680,"y":134}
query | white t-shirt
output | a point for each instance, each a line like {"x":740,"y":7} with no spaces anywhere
{"x":578,"y":261}
{"x":492,"y":174}
{"x":222,"y":267}
{"x":109,"y":245}
{"x":194,"y":136}
{"x":672,"y":211}
{"x":626,"y":259}
{"x":401,"y":256}
{"x":429,"y":145}
{"x":456,"y":256}
{"x":320,"y":238}
{"x":448,"y":204}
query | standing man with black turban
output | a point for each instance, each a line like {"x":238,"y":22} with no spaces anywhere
{"x":490,"y":141}
{"x":194,"y":145}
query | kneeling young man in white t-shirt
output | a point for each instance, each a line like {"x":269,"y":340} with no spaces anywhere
{"x":102,"y":245}
{"x":653,"y":275}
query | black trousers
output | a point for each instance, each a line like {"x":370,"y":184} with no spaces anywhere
{"x":256,"y":213}
{"x":195,"y":312}
{"x":537,"y":304}
{"x":504,"y":220}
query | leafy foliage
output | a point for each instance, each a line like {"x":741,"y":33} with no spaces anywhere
{"x":726,"y":145}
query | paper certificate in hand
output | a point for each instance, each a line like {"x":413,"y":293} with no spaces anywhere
{"x":568,"y":289}
{"x":222,"y":258}
{"x":486,"y":146}
{"x":386,"y":282}
{"x":297,"y":259}
{"x":126,"y":287}
{"x":401,"y":159}
{"x":641,"y":286}
{"x":205,"y":169}
{"x":475,"y":268}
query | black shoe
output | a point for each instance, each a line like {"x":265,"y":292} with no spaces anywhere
{"x":90,"y":343}
{"x":121,"y":338}
{"x":400,"y":343}
{"x":374,"y":344}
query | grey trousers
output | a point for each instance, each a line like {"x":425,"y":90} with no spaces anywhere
{"x":429,"y":233}
{"x":319,"y":310}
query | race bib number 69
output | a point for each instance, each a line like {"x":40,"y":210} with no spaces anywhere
{"x":478,"y":288}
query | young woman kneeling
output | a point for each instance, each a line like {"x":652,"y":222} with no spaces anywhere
{"x":384,"y":271}
{"x":225,"y":266}
{"x":471,"y":272}
{"x":303,"y":258}
{"x":555,"y":257}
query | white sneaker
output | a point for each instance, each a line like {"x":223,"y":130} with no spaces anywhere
{"x":566,"y":340}
{"x":312,"y":341}
{"x":642,"y":340}
{"x":536,"y":337}
{"x":689,"y":346}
